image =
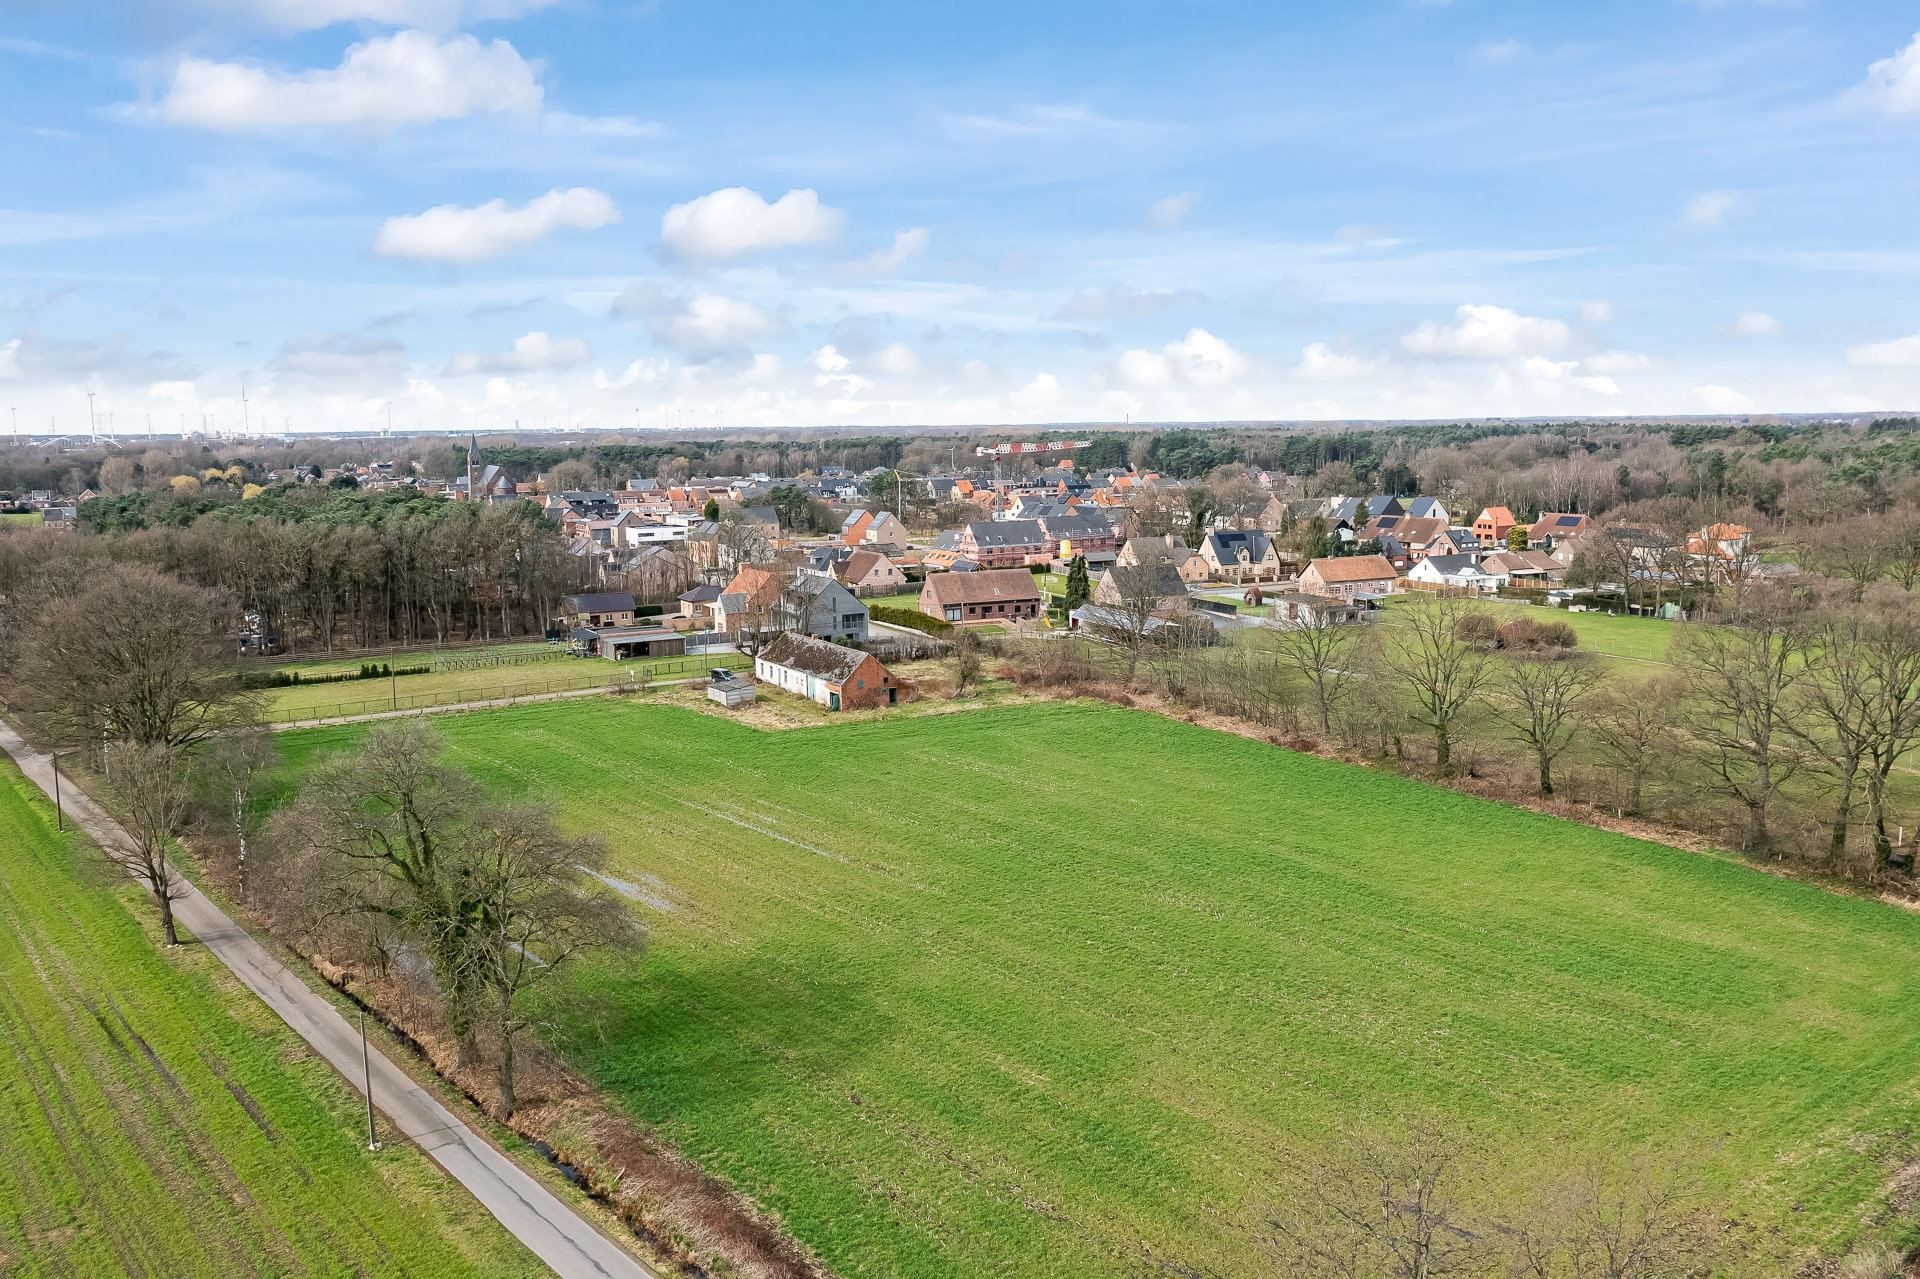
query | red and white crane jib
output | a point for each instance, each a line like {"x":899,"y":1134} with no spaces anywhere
{"x":1010,"y":450}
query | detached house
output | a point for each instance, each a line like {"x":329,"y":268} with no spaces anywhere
{"x":1344,"y":577}
{"x":1555,"y":527}
{"x":1145,"y":550}
{"x":1456,"y":572}
{"x":840,"y":679}
{"x":985,"y":595}
{"x":869,"y":573}
{"x":873,"y":528}
{"x":604,"y":608}
{"x":1238,"y":555}
{"x":1002,"y":543}
{"x":1493,"y":525}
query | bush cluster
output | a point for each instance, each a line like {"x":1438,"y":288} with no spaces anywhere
{"x":913,"y":619}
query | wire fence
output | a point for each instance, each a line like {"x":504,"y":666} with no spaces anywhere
{"x":620,"y":678}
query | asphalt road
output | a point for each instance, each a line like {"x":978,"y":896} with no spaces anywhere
{"x":554,"y":1232}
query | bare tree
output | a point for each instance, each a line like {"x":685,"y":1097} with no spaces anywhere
{"x":136,"y":655}
{"x":149,"y":791}
{"x":533,"y":913}
{"x":1443,"y":667}
{"x":1543,"y":700}
{"x":1613,"y":1225}
{"x":966,"y":660}
{"x":1743,"y":673}
{"x":231,"y":769}
{"x":1324,"y":650}
{"x":1637,"y":729}
{"x":1384,"y":1204}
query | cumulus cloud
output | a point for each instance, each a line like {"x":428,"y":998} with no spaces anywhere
{"x":1486,"y":331}
{"x":1597,"y":311}
{"x":1900,"y":353}
{"x":1568,"y":372}
{"x":1198,"y":359}
{"x":1172,"y":210}
{"x":1721,"y":399}
{"x":453,"y":233}
{"x":897,"y":360}
{"x":439,"y":15}
{"x":1755,"y":324}
{"x":1619,"y":362}
{"x":700,"y":324}
{"x":530,"y":353}
{"x":1710,"y":208}
{"x":407,"y":78}
{"x":735,"y":221}
{"x":1893,"y":84}
{"x":341,"y":357}
{"x":1321,"y":363}
{"x":906,"y":246}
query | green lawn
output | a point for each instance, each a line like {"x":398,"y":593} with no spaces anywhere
{"x":909,"y":600}
{"x":157,"y":1120}
{"x":446,"y":687}
{"x":510,"y":655}
{"x":22,"y":519}
{"x":1614,"y":635}
{"x":1063,"y":1011}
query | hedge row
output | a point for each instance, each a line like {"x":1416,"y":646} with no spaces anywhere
{"x":911,"y":618}
{"x":368,"y":670}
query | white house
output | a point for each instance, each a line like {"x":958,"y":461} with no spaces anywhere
{"x":1457,"y":571}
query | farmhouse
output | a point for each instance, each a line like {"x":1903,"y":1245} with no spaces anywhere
{"x":1155,"y":585}
{"x":603,"y":608}
{"x":985,"y":595}
{"x":759,"y":601}
{"x":840,"y":679}
{"x":1345,"y":577}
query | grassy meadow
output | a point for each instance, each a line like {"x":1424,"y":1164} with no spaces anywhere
{"x":1055,"y":989}
{"x":157,"y":1120}
{"x":21,"y":519}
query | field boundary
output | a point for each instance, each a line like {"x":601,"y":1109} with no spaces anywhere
{"x":554,"y":1232}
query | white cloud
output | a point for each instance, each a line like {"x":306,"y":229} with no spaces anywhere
{"x":407,"y":78}
{"x":1199,"y":358}
{"x":1122,"y":302}
{"x":333,"y":358}
{"x":1755,"y":324}
{"x":1597,"y":311}
{"x":1568,"y":372}
{"x":645,"y":371}
{"x":1488,"y":331}
{"x":453,"y":233}
{"x":530,"y":353}
{"x":897,"y":360}
{"x":1619,"y":362}
{"x":440,"y":15}
{"x":907,"y":245}
{"x":1893,"y":84}
{"x":1710,"y":208}
{"x":1900,"y":353}
{"x":709,"y":322}
{"x":735,"y":221}
{"x":1045,"y":120}
{"x":1170,"y":211}
{"x":1321,"y":363}
{"x":10,"y":359}
{"x":1721,"y":399}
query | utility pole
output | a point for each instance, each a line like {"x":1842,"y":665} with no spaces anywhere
{"x":246,"y":419}
{"x":366,"y":1076}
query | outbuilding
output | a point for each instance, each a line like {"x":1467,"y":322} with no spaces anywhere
{"x":839,"y":678}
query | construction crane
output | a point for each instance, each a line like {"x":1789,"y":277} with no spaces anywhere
{"x":1013,"y":450}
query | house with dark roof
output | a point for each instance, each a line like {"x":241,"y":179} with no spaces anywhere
{"x":839,"y":678}
{"x":1242,"y":555}
{"x":1454,"y":572}
{"x":597,"y":610}
{"x":985,"y":595}
{"x":1003,"y":543}
{"x":1554,"y":527}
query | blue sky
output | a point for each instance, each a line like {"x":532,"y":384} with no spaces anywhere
{"x":557,"y":212}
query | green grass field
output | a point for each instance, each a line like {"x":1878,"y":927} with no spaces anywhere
{"x":447,"y":687}
{"x":1644,"y":639}
{"x":22,"y":519}
{"x":527,"y":652}
{"x":156,"y":1120}
{"x":1052,"y":989}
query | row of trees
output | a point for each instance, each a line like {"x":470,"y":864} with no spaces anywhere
{"x":386,"y":855}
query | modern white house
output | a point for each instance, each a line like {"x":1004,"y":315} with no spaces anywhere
{"x":1460,"y":572}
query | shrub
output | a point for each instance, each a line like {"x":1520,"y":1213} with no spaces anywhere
{"x":1475,"y":628}
{"x":1524,"y":635}
{"x":913,"y":619}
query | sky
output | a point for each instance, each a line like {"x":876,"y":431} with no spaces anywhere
{"x":754,"y":213}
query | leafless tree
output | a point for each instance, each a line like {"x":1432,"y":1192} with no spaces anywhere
{"x":1743,"y":675}
{"x":1543,"y":701}
{"x":231,"y":769}
{"x":1636,"y":727}
{"x":1382,"y":1204}
{"x":150,"y":794}
{"x":1856,"y":551}
{"x":1323,"y":649}
{"x":1613,"y":1224}
{"x":966,"y":660}
{"x":532,"y":913}
{"x":135,"y":655}
{"x":1444,"y":670}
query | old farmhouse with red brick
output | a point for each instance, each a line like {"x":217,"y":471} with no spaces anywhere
{"x":984,"y":595}
{"x":839,"y":678}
